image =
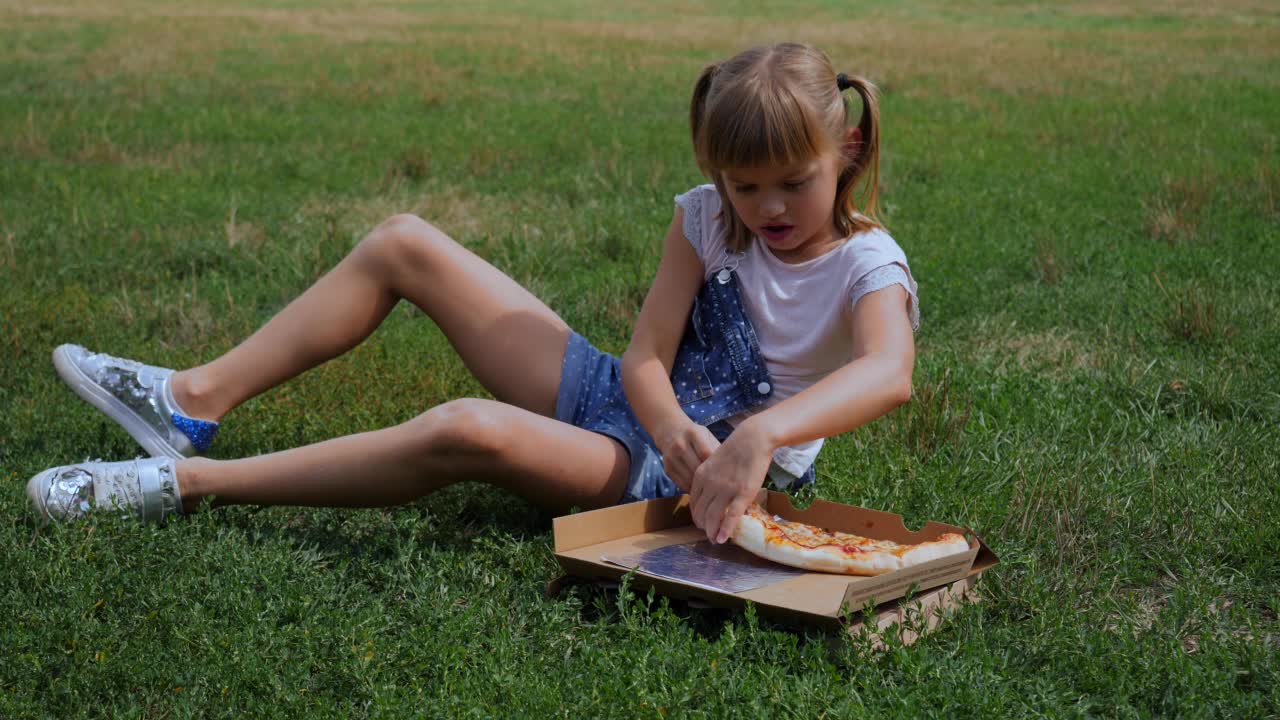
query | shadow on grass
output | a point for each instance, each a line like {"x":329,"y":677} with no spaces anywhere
{"x":460,"y":519}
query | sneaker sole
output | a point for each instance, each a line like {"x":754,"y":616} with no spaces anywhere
{"x":122,"y":414}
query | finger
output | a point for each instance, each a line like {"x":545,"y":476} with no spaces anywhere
{"x":703,"y":487}
{"x":678,"y":474}
{"x":711,"y":507}
{"x":732,"y":515}
{"x":694,"y":460}
{"x":714,"y":518}
{"x":674,"y":463}
{"x":688,"y":483}
{"x":696,"y":491}
{"x":684,"y":462}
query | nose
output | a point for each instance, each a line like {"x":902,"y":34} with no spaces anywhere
{"x":772,"y":205}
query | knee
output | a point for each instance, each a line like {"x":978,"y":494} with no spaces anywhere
{"x":468,"y":428}
{"x":404,"y":240}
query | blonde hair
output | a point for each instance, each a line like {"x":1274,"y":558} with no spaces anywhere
{"x":781,"y":105}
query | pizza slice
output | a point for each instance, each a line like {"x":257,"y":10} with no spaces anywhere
{"x":814,"y":548}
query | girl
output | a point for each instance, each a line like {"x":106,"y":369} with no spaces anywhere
{"x":779,"y":315}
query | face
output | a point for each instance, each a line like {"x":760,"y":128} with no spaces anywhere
{"x":790,"y":208}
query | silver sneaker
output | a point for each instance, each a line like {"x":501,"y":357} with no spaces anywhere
{"x":138,"y":398}
{"x":146,"y":488}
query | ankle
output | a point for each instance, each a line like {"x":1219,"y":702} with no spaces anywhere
{"x":191,"y":485}
{"x":197,"y":395}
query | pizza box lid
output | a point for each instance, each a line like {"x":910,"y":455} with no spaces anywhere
{"x":584,"y":539}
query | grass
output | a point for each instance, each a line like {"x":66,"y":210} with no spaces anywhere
{"x":1094,"y":228}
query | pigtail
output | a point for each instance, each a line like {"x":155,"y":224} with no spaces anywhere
{"x":698,"y":108}
{"x":864,"y":169}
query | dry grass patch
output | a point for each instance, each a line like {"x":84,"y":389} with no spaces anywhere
{"x":1139,"y":610}
{"x":101,"y":148}
{"x":1141,"y":606}
{"x":1049,"y":262}
{"x":352,"y":21}
{"x":1174,"y":214}
{"x":1232,"y":11}
{"x":1054,"y":351}
{"x":1268,"y":185}
{"x":368,"y":73}
{"x":178,"y":156}
{"x":144,"y":42}
{"x":914,"y":53}
{"x":411,"y":166}
{"x":918,"y":54}
{"x":239,"y":232}
{"x":1192,"y":314}
{"x":460,"y":214}
{"x":9,"y":259}
{"x":97,"y":146}
{"x":143,"y":47}
{"x":31,"y":141}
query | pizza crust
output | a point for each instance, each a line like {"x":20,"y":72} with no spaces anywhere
{"x":811,"y":548}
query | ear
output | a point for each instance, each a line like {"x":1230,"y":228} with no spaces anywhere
{"x":852,"y":142}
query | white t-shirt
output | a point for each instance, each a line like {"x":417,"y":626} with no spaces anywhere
{"x":802,"y":313}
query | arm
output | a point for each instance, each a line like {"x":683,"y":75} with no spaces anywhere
{"x":646,"y":365}
{"x":875,"y":382}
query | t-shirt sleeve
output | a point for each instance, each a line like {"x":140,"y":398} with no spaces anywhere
{"x":695,"y":224}
{"x":881,"y":278}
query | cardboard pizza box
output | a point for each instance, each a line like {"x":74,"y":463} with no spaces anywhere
{"x":599,"y":544}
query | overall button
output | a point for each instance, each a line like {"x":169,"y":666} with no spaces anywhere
{"x":764,"y":388}
{"x":722,"y":277}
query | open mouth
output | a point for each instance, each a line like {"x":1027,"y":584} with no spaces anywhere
{"x":776,"y":232}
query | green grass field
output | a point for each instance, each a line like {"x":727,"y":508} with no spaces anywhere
{"x":1089,"y":193}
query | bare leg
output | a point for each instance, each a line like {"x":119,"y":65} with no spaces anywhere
{"x":511,"y":341}
{"x":550,"y":463}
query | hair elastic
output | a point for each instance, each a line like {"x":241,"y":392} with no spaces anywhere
{"x":843,"y":82}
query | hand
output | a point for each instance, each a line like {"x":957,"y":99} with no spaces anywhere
{"x":683,"y":449}
{"x":725,"y":485}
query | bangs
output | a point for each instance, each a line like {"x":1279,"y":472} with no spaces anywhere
{"x":758,"y":126}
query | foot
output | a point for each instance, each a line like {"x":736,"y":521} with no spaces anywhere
{"x":146,"y":488}
{"x":138,"y":398}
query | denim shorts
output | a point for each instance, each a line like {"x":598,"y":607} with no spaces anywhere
{"x":591,"y":398}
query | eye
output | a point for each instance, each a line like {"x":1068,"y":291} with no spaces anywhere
{"x":795,"y":184}
{"x":744,"y":189}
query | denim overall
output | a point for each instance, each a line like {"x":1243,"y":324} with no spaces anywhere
{"x":718,"y":372}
